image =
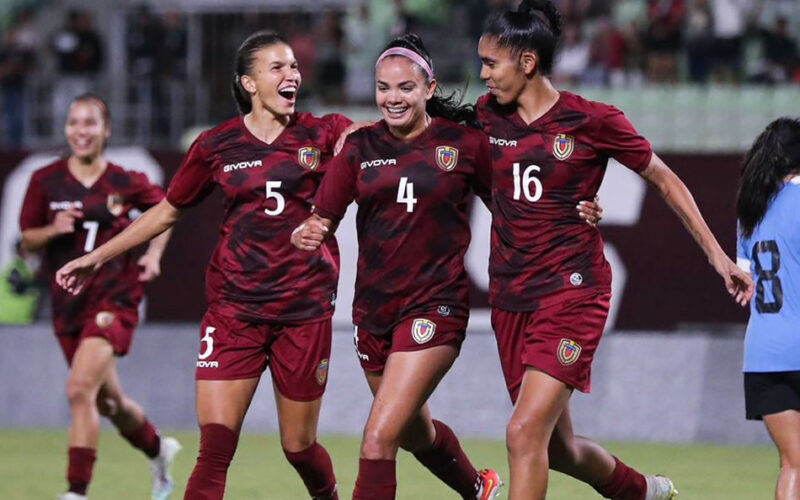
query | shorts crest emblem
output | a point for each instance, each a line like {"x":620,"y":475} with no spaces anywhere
{"x":115,"y":204}
{"x":446,"y":157}
{"x":308,"y":157}
{"x":104,"y":319}
{"x":563,"y":146}
{"x":568,"y":352}
{"x":422,"y":330}
{"x":322,"y":372}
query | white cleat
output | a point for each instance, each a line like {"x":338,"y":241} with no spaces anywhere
{"x":660,"y":488}
{"x":71,"y":496}
{"x":160,"y":467}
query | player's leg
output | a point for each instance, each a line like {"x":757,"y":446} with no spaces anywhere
{"x":784,"y":428}
{"x":132,"y":423}
{"x":221,"y":408}
{"x":299,"y":367}
{"x":89,"y":366}
{"x":437,"y":448}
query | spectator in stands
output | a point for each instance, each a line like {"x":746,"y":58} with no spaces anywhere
{"x":574,"y":58}
{"x":79,"y":58}
{"x":172,"y":63}
{"x":17,"y":61}
{"x":699,"y":40}
{"x":730,"y":18}
{"x":780,"y":55}
{"x":330,"y":68}
{"x":664,"y":39}
{"x":19,"y":290}
{"x":144,"y":44}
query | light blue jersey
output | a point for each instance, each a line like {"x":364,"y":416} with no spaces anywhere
{"x":772,"y":255}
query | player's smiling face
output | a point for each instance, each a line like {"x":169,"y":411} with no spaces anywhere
{"x":86,"y":130}
{"x":401,"y":92}
{"x":274,"y":79}
{"x":501,"y":70}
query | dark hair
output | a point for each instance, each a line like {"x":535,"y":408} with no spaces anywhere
{"x":245,"y":57}
{"x":536,"y":25}
{"x":97,"y":101}
{"x":774,"y":155}
{"x":444,"y":106}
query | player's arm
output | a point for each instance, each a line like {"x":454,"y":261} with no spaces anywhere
{"x":150,"y":262}
{"x":36,"y":238}
{"x":155,"y":221}
{"x":677,"y":195}
{"x":310,"y":235}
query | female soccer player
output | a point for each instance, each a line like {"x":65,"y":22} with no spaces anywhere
{"x":412,"y":175}
{"x":72,"y":206}
{"x":549,"y":281}
{"x":769,"y":248}
{"x":269,"y":305}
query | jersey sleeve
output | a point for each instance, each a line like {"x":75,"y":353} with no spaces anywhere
{"x":145,"y":194}
{"x":482,"y":180}
{"x":742,"y":255}
{"x":338,"y":123}
{"x":34,"y":208}
{"x":338,"y":187}
{"x":618,"y":139}
{"x":194,"y":180}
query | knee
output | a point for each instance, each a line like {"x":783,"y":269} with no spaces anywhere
{"x":80,"y":391}
{"x":297,"y":442}
{"x":524,"y":436}
{"x":378,"y":443}
{"x":790,"y":461}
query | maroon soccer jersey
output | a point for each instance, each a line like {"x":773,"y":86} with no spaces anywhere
{"x":412,"y":221}
{"x":106,"y":206}
{"x":255,"y":273}
{"x":541,"y":170}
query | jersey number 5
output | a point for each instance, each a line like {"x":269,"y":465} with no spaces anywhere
{"x":272,"y":193}
{"x":523,"y":184}
{"x":208,"y":340}
{"x":764,"y":276}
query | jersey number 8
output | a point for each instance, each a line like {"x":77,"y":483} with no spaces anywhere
{"x":764,"y":276}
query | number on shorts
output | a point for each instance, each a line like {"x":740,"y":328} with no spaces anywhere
{"x":765,"y":276}
{"x":91,"y":227}
{"x":208,"y":340}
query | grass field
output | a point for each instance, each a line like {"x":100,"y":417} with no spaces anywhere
{"x":33,"y":462}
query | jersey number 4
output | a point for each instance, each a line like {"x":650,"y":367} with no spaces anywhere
{"x":405,"y":194}
{"x":768,"y":276}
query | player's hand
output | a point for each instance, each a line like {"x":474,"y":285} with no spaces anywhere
{"x":738,"y":282}
{"x":310,"y":234}
{"x":590,"y":211}
{"x":349,"y":130}
{"x":151,"y":266}
{"x":64,"y":221}
{"x":75,"y":273}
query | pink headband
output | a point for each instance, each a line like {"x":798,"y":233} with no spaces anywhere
{"x":409,"y":54}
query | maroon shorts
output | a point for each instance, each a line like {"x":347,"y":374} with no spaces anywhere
{"x":414,"y":333}
{"x":297,"y":355}
{"x":115,"y":325}
{"x":559,"y":340}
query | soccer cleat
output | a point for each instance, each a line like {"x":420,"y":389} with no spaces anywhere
{"x":660,"y":488}
{"x":160,"y":467}
{"x":71,"y":496}
{"x":490,"y":485}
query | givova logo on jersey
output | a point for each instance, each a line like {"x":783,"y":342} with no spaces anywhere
{"x":308,"y":157}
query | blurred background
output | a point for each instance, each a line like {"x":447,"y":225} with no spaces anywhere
{"x":699,"y":78}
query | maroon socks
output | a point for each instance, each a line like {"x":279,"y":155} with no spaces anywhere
{"x":145,"y":438}
{"x":624,"y":484}
{"x":448,"y":462}
{"x":376,"y":480}
{"x":217,"y":446}
{"x":79,"y":469}
{"x":316,"y":470}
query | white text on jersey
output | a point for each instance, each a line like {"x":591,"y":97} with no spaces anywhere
{"x":241,"y":165}
{"x":378,"y":163}
{"x":502,"y":142}
{"x":65,"y":205}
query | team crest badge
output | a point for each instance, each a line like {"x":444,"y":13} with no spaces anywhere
{"x":322,"y":372}
{"x":446,"y":157}
{"x":422,"y":330}
{"x":115,"y":204}
{"x":568,"y":352}
{"x":104,"y":319}
{"x":308,"y":157}
{"x":563,"y":146}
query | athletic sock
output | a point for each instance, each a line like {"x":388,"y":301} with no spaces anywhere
{"x":79,"y":468}
{"x":315,"y":469}
{"x":217,"y":446}
{"x":624,"y":484}
{"x":145,"y":438}
{"x":376,"y":480}
{"x":447,"y":460}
